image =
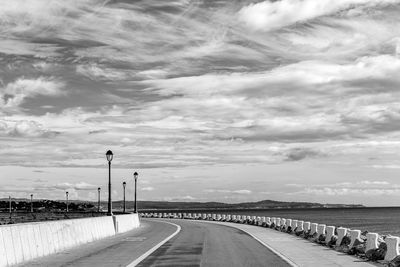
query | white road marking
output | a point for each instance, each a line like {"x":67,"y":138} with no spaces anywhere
{"x":145,"y":255}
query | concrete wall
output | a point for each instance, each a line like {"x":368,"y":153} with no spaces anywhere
{"x":23,"y":242}
{"x":126,"y":222}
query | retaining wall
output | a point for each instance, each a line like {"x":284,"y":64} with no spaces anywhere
{"x":23,"y":242}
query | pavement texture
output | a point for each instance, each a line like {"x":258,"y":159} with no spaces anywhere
{"x":204,"y":244}
{"x":296,"y":250}
{"x":119,"y":250}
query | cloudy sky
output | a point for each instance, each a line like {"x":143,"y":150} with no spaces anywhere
{"x":209,"y":100}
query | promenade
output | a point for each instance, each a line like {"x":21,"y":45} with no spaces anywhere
{"x":172,"y":242}
{"x":298,"y":251}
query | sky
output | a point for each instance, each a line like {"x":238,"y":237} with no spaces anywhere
{"x":222,"y":100}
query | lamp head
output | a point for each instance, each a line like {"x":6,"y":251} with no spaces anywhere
{"x":124,"y":184}
{"x":135,"y":175}
{"x":109,"y":155}
{"x":98,"y":189}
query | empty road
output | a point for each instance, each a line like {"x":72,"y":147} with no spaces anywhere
{"x":197,"y":244}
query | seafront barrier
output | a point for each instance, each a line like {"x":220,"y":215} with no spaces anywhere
{"x":26,"y":241}
{"x":368,"y":246}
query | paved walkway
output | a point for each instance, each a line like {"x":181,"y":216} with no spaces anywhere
{"x":298,"y":251}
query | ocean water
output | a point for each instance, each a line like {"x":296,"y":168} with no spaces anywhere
{"x":378,"y":220}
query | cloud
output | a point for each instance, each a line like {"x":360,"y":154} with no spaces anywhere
{"x":15,"y":93}
{"x":297,"y":154}
{"x":269,"y":15}
{"x":226,"y":191}
{"x":149,"y":188}
{"x":25,"y":128}
{"x":363,"y":188}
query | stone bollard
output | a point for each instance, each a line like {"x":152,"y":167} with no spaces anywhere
{"x":283,"y":222}
{"x":278,"y":222}
{"x":321,"y":229}
{"x":294,"y":225}
{"x":219,"y":217}
{"x":354,"y":234}
{"x":307,"y":226}
{"x":204,"y":217}
{"x":258,"y":221}
{"x":273,"y":220}
{"x":372,"y":241}
{"x":223,"y":217}
{"x":288,"y":222}
{"x":392,"y":243}
{"x":228,"y":218}
{"x":213,"y":217}
{"x":341,"y":233}
{"x":330,"y":232}
{"x":300,"y":226}
{"x":313,"y":228}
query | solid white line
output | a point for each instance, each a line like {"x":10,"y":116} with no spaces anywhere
{"x":283,"y":257}
{"x":145,"y":255}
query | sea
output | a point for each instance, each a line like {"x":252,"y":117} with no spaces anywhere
{"x":384,"y":220}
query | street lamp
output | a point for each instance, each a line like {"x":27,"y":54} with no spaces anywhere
{"x":31,"y":203}
{"x":66,"y":195}
{"x":109,"y":156}
{"x":98,"y":202}
{"x":124,"y":185}
{"x":9,"y":206}
{"x":135,"y":175}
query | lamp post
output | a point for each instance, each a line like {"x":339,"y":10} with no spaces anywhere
{"x":66,"y":195}
{"x":135,"y":175}
{"x":109,"y":156}
{"x":9,"y":206}
{"x":98,"y":201}
{"x":31,"y":203}
{"x":124,"y":185}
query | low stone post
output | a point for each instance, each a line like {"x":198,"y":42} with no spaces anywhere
{"x":354,"y":234}
{"x":278,"y":222}
{"x":300,"y":226}
{"x":307,"y":226}
{"x":321,"y":229}
{"x":313,"y":228}
{"x":294,"y":225}
{"x":288,"y":223}
{"x":330,"y":232}
{"x":372,"y":241}
{"x":341,"y":233}
{"x":392,"y":243}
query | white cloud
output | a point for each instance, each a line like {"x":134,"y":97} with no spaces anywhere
{"x":226,"y":191}
{"x":363,"y":188}
{"x":15,"y":93}
{"x":270,"y":15}
{"x":148,"y":188}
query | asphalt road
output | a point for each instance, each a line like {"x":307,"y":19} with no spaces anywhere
{"x":114,"y":251}
{"x":197,"y":244}
{"x":205,"y":244}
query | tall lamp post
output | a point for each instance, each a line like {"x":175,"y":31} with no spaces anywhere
{"x":135,"y":175}
{"x":98,"y":201}
{"x":109,"y":156}
{"x":9,"y":206}
{"x":124,"y":186}
{"x":31,"y":203}
{"x":66,"y":196}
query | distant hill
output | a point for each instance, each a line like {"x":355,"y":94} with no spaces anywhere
{"x":264,"y":204}
{"x":24,"y":204}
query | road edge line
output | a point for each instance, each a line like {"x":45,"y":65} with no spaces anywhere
{"x":283,"y":257}
{"x":147,"y":253}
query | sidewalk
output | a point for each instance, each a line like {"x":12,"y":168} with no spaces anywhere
{"x":296,"y":250}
